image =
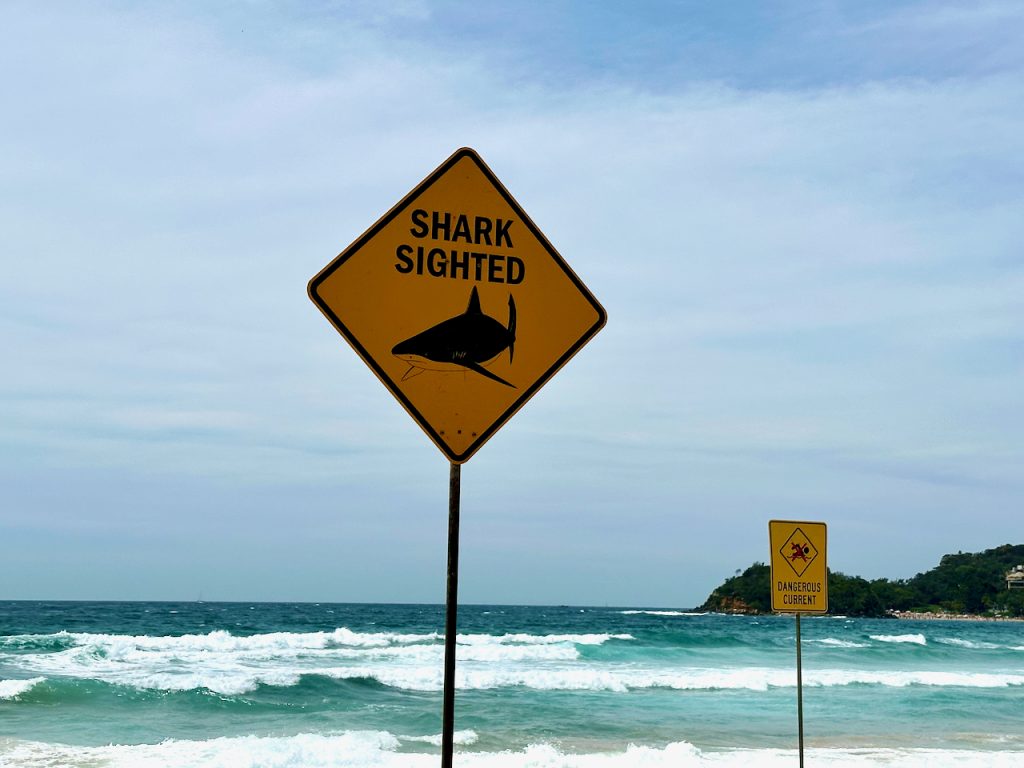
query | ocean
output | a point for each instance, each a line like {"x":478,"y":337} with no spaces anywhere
{"x":302,"y":684}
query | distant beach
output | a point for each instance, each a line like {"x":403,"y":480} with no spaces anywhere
{"x":931,"y":616}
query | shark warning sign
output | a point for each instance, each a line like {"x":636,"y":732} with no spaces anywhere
{"x":459,"y":304}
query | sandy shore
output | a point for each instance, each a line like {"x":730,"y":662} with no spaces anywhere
{"x":929,"y":616}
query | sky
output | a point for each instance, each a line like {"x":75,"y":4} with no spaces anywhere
{"x":804,"y":219}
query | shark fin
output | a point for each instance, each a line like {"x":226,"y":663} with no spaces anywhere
{"x":474,"y":303}
{"x":477,"y":368}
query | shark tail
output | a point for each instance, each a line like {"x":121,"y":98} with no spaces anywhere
{"x":511,"y":327}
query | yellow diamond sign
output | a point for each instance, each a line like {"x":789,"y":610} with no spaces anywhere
{"x":799,"y":572}
{"x":459,"y":304}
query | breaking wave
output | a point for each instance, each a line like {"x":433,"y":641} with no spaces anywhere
{"x":12,"y":689}
{"x":916,"y":639}
{"x":385,"y":750}
{"x":834,"y":642}
{"x":232,"y":665}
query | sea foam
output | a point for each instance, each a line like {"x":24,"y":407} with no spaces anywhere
{"x":12,"y":689}
{"x":380,"y":749}
{"x":975,"y":645}
{"x":916,"y":639}
{"x":835,"y":642}
{"x":622,"y":680}
{"x":232,"y":665}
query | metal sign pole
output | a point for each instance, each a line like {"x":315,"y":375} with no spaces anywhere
{"x":451,"y":607}
{"x":799,"y":692}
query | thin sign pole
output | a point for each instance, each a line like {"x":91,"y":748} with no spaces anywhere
{"x":799,"y":691}
{"x":451,"y":607}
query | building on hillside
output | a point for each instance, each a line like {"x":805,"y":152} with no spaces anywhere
{"x":1015,"y":578}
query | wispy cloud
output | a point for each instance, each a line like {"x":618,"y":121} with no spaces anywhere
{"x":814,"y":281}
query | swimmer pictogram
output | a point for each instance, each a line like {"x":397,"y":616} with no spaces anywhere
{"x":798,"y":552}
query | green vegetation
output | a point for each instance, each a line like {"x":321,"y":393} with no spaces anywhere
{"x":963,"y":583}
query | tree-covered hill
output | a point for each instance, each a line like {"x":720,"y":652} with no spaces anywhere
{"x":964,"y":583}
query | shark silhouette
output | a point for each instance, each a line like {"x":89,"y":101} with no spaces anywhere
{"x":467,"y":341}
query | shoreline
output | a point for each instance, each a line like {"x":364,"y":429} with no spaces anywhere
{"x":931,"y":616}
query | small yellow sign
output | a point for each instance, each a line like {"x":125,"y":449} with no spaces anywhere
{"x":799,"y":571}
{"x":459,"y":304}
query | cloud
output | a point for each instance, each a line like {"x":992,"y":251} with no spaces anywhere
{"x":813,"y":289}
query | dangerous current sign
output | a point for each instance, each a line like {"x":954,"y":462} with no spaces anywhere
{"x":459,"y":304}
{"x":799,"y":572}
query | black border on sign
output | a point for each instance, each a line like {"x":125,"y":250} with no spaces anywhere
{"x":387,"y":218}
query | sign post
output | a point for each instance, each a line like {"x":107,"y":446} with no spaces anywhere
{"x":464,"y":310}
{"x":799,"y":584}
{"x":450,"y":619}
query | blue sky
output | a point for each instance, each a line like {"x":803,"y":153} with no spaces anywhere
{"x":804,"y":220}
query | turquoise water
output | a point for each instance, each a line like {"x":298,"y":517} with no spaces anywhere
{"x":214,"y":684}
